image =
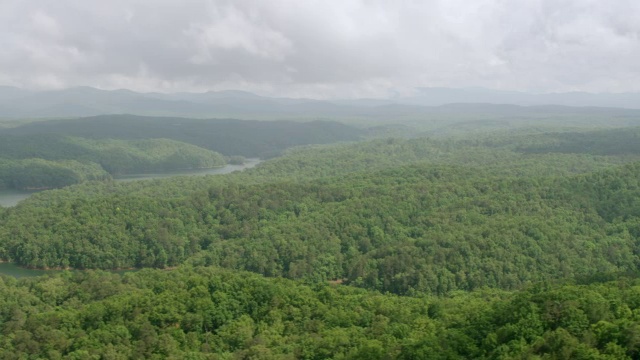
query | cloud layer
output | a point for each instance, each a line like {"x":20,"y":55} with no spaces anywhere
{"x":319,"y":48}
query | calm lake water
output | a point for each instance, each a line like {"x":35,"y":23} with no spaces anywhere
{"x":249,"y":163}
{"x":18,"y":272}
{"x":12,"y":197}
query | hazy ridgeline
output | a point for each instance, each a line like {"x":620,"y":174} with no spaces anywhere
{"x":226,"y":136}
{"x":53,"y":161}
{"x":54,"y":154}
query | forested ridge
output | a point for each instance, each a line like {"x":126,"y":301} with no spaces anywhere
{"x":602,"y":142}
{"x":385,"y":249}
{"x":45,"y":174}
{"x":115,"y":156}
{"x":226,"y":136}
{"x":421,"y":233}
{"x":434,"y":217}
{"x":208,"y":313}
{"x":74,"y":149}
{"x":54,"y":161}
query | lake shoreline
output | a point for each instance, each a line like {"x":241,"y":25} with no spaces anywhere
{"x":11,"y":197}
{"x":64,"y":269}
{"x":178,"y":170}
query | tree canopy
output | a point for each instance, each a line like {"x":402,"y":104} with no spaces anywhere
{"x":387,"y":249}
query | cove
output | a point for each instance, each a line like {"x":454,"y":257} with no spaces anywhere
{"x":11,"y":197}
{"x":16,"y":271}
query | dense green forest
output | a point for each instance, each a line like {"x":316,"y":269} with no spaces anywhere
{"x":394,"y":215}
{"x":491,"y":247}
{"x":76,"y":149}
{"x":207,"y":313}
{"x":414,"y":228}
{"x":603,"y":142}
{"x":115,"y":156}
{"x":36,"y":173}
{"x":226,"y":136}
{"x":52,"y":161}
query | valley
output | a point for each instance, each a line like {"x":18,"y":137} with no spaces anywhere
{"x":311,"y":180}
{"x":485,"y":234}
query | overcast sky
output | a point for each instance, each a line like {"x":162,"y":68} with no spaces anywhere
{"x":321,"y":48}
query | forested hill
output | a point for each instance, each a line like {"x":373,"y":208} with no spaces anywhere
{"x":226,"y":136}
{"x":45,"y":161}
{"x":603,"y":142}
{"x":209,"y":313}
{"x":387,"y":249}
{"x":115,"y":156}
{"x":39,"y":174}
{"x":420,"y":215}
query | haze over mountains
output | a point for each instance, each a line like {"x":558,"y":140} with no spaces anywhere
{"x":249,"y":138}
{"x":87,"y":101}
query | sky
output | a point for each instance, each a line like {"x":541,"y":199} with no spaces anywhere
{"x":321,"y":48}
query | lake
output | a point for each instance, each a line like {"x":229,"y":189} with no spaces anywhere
{"x":18,"y":272}
{"x":249,"y":163}
{"x":12,"y":197}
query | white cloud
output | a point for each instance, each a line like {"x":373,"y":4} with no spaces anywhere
{"x":320,"y":48}
{"x":230,"y":29}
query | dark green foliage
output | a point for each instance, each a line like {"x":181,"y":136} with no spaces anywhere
{"x":427,"y":227}
{"x":604,"y":142}
{"x":44,"y":174}
{"x":229,"y":137}
{"x":53,"y":161}
{"x":404,"y":249}
{"x":115,"y":156}
{"x":143,"y":145}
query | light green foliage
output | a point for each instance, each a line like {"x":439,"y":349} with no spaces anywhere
{"x":393,"y":249}
{"x":403,"y":223}
{"x":213,"y":313}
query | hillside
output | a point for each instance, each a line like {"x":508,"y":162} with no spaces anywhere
{"x":208,"y":313}
{"x":418,"y":215}
{"x":385,"y":249}
{"x":603,"y":142}
{"x":38,"y":174}
{"x":228,"y":137}
{"x":52,"y":161}
{"x":115,"y":156}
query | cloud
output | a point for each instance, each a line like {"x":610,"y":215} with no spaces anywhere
{"x":319,"y":48}
{"x":230,"y":29}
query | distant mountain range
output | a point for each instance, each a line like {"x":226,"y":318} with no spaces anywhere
{"x":440,"y":96}
{"x":87,"y":101}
